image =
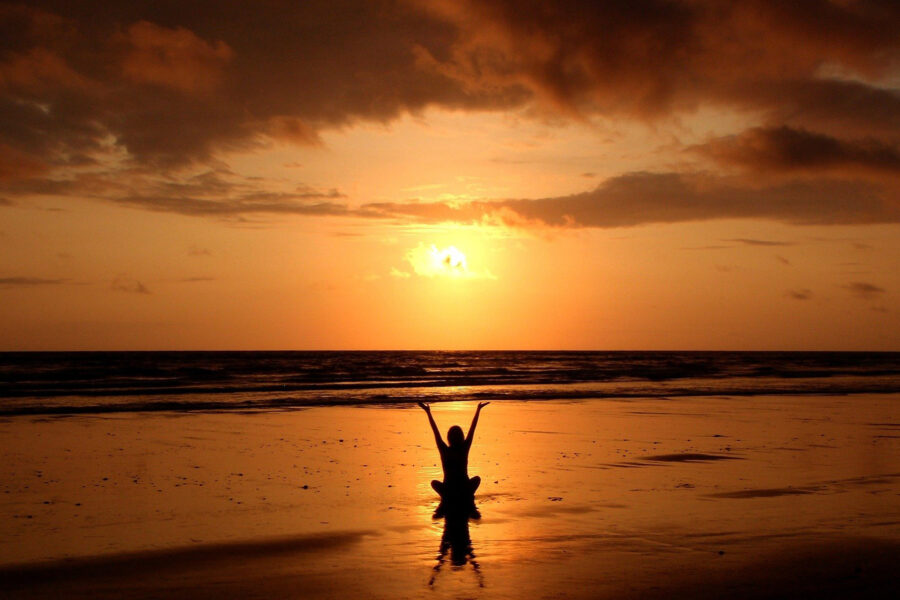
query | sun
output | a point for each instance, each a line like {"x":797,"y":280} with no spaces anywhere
{"x":431,"y":261}
{"x":450,"y":258}
{"x":441,"y":262}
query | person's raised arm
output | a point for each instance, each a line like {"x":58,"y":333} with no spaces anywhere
{"x":437,"y":434}
{"x":474,"y":423}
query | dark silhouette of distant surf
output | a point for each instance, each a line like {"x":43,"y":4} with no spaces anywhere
{"x":100,"y":382}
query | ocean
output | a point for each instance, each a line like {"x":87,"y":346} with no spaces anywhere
{"x":109,"y":382}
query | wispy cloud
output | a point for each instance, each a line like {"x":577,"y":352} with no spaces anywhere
{"x":265,"y":203}
{"x":628,"y":200}
{"x":802,"y":294}
{"x":8,"y":282}
{"x":125,"y":283}
{"x":864,"y":290}
{"x":754,"y":242}
{"x":215,"y":192}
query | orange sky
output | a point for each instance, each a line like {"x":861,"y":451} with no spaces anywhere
{"x":616,"y":175}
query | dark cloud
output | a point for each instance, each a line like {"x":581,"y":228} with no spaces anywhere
{"x":800,"y":67}
{"x":644,"y":198}
{"x":171,"y":84}
{"x":7,"y":282}
{"x":124,"y":283}
{"x":783,"y":260}
{"x":864,"y":290}
{"x":786,"y":149}
{"x":162,"y":86}
{"x":835,"y":107}
{"x":16,"y":164}
{"x":198,"y":251}
{"x":174,"y":58}
{"x":648,"y":58}
{"x":803,"y":294}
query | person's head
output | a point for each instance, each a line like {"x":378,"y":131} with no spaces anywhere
{"x":455,"y":436}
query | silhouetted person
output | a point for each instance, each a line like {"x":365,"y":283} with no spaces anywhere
{"x":457,"y":491}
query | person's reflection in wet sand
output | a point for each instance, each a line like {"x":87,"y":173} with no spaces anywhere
{"x":456,"y":542}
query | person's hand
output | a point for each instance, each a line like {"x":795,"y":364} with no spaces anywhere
{"x":482,"y":405}
{"x":424,"y":406}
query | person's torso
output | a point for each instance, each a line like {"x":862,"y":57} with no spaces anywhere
{"x":455,"y":462}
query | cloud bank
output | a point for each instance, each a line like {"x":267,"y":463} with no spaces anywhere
{"x":126,"y":102}
{"x":645,"y":198}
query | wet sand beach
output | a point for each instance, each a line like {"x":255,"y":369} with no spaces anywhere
{"x":765,"y":496}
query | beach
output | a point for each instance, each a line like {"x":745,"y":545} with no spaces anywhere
{"x":712,"y":496}
{"x":249,"y":249}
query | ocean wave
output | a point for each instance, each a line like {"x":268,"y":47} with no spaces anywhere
{"x":224,"y":399}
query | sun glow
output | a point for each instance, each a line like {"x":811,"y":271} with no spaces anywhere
{"x":431,"y":261}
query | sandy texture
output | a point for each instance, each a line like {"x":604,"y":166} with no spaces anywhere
{"x":706,"y":497}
